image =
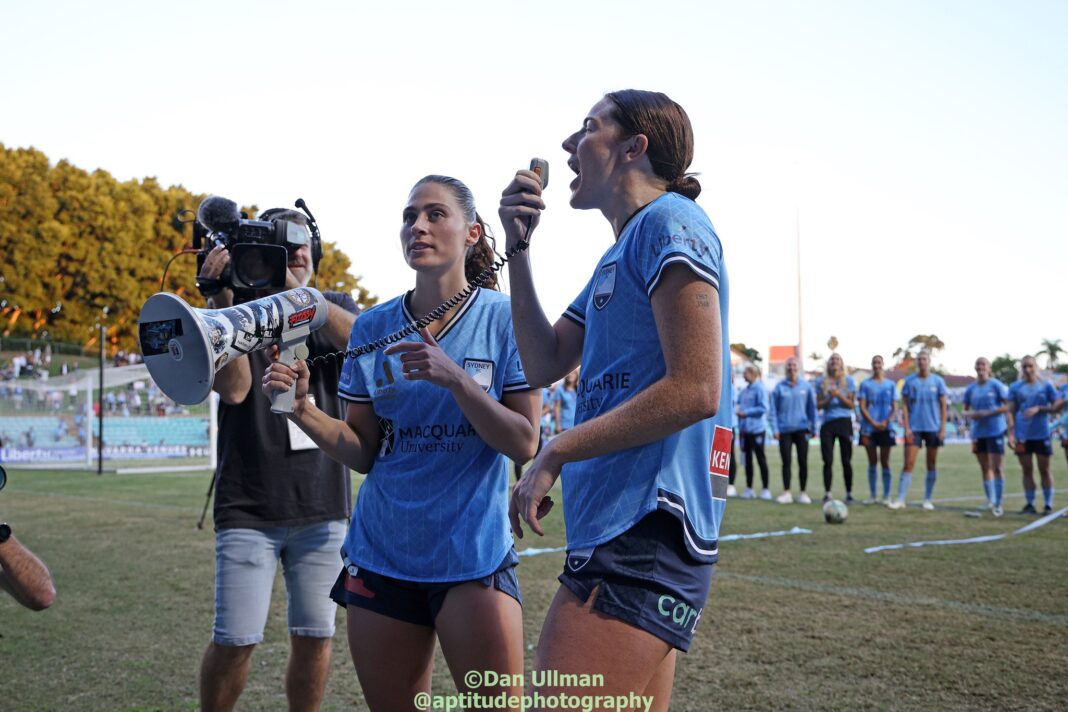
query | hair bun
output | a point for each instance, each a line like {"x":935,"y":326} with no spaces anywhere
{"x":686,"y":185}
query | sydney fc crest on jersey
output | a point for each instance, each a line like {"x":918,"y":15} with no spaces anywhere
{"x":480,"y":371}
{"x":606,"y":284}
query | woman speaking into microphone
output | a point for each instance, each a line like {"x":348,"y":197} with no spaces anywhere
{"x":642,"y":504}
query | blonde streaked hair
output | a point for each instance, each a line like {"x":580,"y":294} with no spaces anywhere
{"x":827,"y":373}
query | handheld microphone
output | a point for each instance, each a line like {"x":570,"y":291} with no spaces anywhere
{"x":541,"y":167}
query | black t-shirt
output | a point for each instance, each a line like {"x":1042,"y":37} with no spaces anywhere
{"x":262,"y":481}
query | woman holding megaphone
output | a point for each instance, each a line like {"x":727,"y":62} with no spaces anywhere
{"x":430,"y":420}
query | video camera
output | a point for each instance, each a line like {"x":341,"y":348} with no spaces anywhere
{"x":259,"y":249}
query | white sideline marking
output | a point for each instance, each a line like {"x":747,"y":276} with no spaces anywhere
{"x":1002,"y":612}
{"x":973,"y":540}
{"x":729,"y":537}
{"x":974,"y":498}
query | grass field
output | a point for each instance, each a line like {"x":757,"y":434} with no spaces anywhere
{"x":798,"y":622}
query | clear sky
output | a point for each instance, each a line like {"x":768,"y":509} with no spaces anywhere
{"x":920,"y":146}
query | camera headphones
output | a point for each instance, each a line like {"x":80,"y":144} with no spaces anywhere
{"x":313,"y":228}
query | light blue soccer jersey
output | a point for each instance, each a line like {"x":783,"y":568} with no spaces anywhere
{"x":1026,"y":395}
{"x":793,"y":407}
{"x":987,"y":396}
{"x":836,"y":408}
{"x":684,"y":473}
{"x":922,"y":394}
{"x":879,"y":399}
{"x":434,"y":505}
{"x":753,"y":402}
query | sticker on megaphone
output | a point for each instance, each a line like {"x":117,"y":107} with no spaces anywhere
{"x":185,"y":347}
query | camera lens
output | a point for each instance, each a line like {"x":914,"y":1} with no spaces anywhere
{"x":258,"y":266}
{"x":253,"y":270}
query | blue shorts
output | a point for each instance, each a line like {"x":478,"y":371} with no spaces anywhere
{"x":878,"y":438}
{"x":245,"y":563}
{"x":1035,"y":447}
{"x":411,"y":601}
{"x":992,"y":445}
{"x":930,"y":439}
{"x":647,"y":578}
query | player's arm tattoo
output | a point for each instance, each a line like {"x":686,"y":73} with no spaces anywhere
{"x":703,"y":301}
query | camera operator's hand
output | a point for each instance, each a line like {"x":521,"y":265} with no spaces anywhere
{"x":215,"y":264}
{"x":279,"y":378}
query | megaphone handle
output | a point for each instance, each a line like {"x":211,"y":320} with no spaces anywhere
{"x":282,"y":401}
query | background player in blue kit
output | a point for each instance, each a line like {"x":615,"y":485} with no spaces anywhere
{"x":1031,"y":401}
{"x":793,"y":420}
{"x":878,"y":404}
{"x":835,"y":394}
{"x":564,"y":402}
{"x":986,"y":402}
{"x":752,"y":409}
{"x":923,"y":412}
{"x":644,"y":470}
{"x":733,"y":468}
{"x":1062,"y":394}
{"x":429,"y":549}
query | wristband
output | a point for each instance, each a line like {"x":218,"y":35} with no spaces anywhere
{"x":209,"y":286}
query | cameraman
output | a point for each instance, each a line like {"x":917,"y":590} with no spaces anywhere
{"x":277,"y":498}
{"x":23,"y":575}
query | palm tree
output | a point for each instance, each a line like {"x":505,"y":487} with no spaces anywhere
{"x":906,"y":355}
{"x":1051,"y":349}
{"x":930,"y":342}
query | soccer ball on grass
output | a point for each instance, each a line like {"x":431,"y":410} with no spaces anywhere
{"x":835,"y":511}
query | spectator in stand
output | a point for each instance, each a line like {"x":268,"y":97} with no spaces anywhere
{"x":793,"y":420}
{"x":565,"y":401}
{"x":1031,"y":401}
{"x":923,"y":410}
{"x":835,"y":393}
{"x":752,"y":407}
{"x":878,"y":405}
{"x":986,"y":402}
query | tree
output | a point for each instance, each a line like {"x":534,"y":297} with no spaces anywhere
{"x":81,"y":250}
{"x":750,"y":353}
{"x":1051,"y":349}
{"x":334,"y":275}
{"x":906,"y":355}
{"x":1004,"y":368}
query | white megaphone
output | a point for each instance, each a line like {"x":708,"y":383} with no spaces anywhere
{"x":185,"y":347}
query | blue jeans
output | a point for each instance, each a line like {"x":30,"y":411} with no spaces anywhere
{"x":245,"y":563}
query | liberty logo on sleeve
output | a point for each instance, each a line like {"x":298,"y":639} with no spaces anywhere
{"x":481,"y":372}
{"x":606,"y":285}
{"x":719,"y":461}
